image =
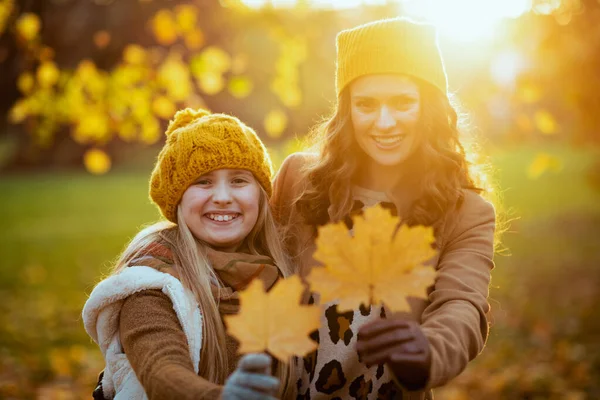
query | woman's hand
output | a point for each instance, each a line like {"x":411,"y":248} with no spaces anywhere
{"x":401,"y":345}
{"x":251,"y":380}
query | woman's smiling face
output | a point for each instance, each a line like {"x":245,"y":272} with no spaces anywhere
{"x":221,"y":207}
{"x":385,"y":110}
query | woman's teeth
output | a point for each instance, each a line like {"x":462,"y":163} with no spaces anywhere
{"x":221,"y":217}
{"x":388,"y":139}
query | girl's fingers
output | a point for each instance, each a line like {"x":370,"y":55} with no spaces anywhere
{"x":243,"y":393}
{"x":259,"y":362}
{"x":258,"y":382}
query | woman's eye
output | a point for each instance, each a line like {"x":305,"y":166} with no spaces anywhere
{"x":365,"y":104}
{"x":403,"y":104}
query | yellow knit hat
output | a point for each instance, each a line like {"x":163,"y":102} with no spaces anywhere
{"x":396,"y":45}
{"x":199,"y":142}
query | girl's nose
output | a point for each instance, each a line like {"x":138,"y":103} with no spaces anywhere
{"x":222,"y":193}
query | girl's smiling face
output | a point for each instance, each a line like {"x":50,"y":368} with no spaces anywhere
{"x":221,"y":207}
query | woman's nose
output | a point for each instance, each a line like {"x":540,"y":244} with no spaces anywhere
{"x":385,"y":119}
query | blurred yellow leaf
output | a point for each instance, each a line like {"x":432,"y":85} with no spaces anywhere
{"x":194,"y":39}
{"x":211,"y":83}
{"x":19,"y":111}
{"x":28,"y":26}
{"x":86,"y":71}
{"x":291,"y":97}
{"x":25,"y":82}
{"x":6,"y":8}
{"x":542,"y":163}
{"x":212,"y":60}
{"x":102,"y":39}
{"x":96,"y":161}
{"x":376,"y":264}
{"x":187,"y":17}
{"x":134,"y":54}
{"x":545,"y":122}
{"x":275,"y":123}
{"x":47,"y":74}
{"x":128,"y":131}
{"x":529,"y":93}
{"x":150,"y":130}
{"x":164,"y":27}
{"x":264,"y":323}
{"x":240,"y":86}
{"x":174,"y":77}
{"x":92,"y":126}
{"x":163,"y":107}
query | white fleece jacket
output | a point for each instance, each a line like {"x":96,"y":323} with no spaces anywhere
{"x":101,"y":320}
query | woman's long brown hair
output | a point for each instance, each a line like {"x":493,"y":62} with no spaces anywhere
{"x":436,"y":172}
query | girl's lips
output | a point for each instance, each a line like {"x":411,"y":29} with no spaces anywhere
{"x":222,"y":218}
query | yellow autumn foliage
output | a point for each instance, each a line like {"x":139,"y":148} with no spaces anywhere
{"x":28,"y":26}
{"x":376,"y":265}
{"x":96,"y":161}
{"x":276,"y":321}
{"x":275,"y":123}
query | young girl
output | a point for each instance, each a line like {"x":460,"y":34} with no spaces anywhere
{"x":158,"y":317}
{"x":392,"y":139}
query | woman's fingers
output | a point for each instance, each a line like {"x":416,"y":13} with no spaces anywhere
{"x":379,"y":326}
{"x":386,"y":340}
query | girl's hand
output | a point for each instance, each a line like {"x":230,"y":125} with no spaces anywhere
{"x":400,"y":344}
{"x":251,"y":380}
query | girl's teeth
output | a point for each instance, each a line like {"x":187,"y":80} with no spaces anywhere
{"x":226,"y":218}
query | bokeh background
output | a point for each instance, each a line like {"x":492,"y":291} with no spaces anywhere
{"x":88,"y":86}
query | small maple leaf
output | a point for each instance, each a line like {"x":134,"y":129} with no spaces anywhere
{"x":274,"y":321}
{"x":375,"y":266}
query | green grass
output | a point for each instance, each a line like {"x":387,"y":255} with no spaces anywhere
{"x":59,"y":233}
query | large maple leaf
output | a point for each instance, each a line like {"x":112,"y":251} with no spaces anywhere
{"x":274,"y":321}
{"x":376,"y":264}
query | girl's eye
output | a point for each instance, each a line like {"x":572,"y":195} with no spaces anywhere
{"x":202,"y":182}
{"x":239,"y":181}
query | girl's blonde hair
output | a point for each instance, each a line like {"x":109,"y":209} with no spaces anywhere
{"x":196,"y":274}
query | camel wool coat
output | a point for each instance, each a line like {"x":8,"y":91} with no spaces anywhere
{"x":453,"y":317}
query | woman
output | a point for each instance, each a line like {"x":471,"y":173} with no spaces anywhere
{"x":392,"y":139}
{"x":158,"y":317}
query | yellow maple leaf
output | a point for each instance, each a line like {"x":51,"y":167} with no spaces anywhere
{"x":373,"y":266}
{"x":274,"y":321}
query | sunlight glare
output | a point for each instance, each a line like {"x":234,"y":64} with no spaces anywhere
{"x":467,"y":20}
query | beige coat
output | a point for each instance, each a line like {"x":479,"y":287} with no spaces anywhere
{"x":454,"y":317}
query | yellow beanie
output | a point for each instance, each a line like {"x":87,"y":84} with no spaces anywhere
{"x":396,"y":45}
{"x":199,"y":142}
